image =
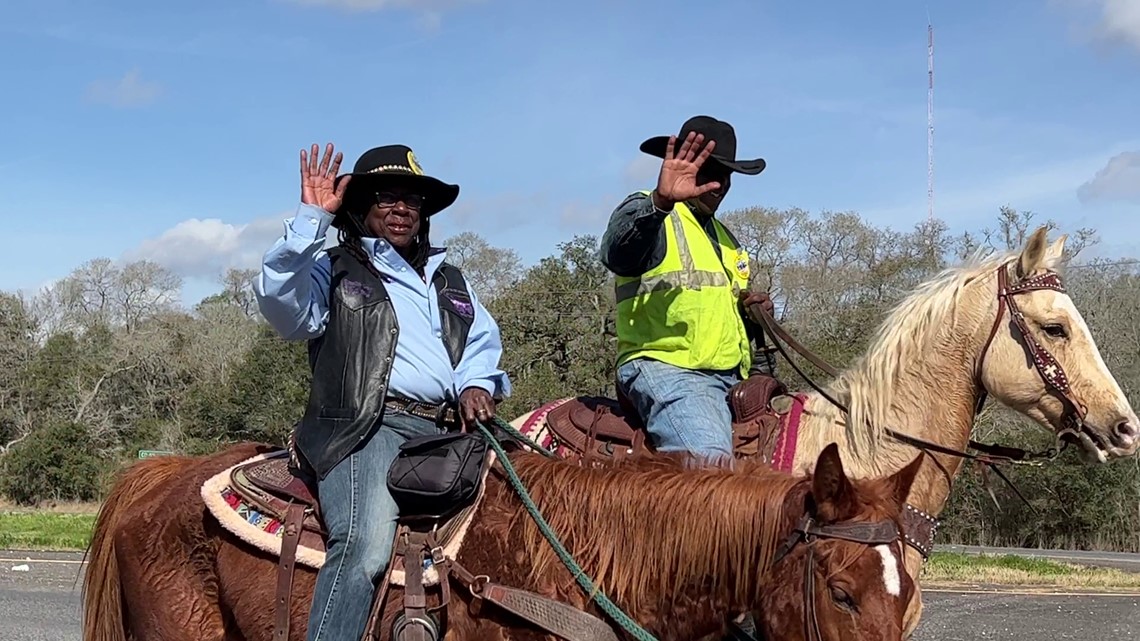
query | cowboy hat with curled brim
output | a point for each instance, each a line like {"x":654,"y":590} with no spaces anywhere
{"x":724,"y":153}
{"x":392,"y":165}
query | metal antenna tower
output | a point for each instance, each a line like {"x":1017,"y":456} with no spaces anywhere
{"x":929,"y":120}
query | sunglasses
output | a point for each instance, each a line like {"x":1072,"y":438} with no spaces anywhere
{"x":389,"y":199}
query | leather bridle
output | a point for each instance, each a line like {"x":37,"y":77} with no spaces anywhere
{"x":808,"y":531}
{"x":1051,"y":372}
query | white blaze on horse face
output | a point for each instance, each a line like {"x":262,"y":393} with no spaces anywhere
{"x":1121,"y":407}
{"x":1065,"y":304}
{"x":890,"y":570}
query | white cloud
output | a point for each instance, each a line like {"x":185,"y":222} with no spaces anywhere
{"x":1118,"y":180}
{"x":1118,"y":21}
{"x":205,"y":248}
{"x":129,"y":91}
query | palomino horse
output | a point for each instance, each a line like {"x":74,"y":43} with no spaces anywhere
{"x":675,"y":546}
{"x":1001,"y":326}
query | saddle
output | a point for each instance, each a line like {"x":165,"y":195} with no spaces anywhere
{"x":434,"y":480}
{"x":597,"y":428}
{"x":272,"y":485}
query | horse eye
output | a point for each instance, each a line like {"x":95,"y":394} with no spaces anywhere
{"x":1055,"y":330}
{"x":842,"y":598}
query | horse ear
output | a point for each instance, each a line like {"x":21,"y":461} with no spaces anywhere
{"x":902,"y":480}
{"x":832,"y":491}
{"x":1057,"y":249}
{"x":1033,"y":256}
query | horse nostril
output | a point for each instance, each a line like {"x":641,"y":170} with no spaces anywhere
{"x":1124,"y":429}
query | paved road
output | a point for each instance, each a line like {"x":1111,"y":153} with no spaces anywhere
{"x":1120,"y":560}
{"x":950,"y":616}
{"x":42,"y":604}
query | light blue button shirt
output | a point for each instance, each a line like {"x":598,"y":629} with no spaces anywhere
{"x":293,"y":295}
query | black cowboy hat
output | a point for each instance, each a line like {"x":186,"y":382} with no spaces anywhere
{"x":395,"y":165}
{"x":724,"y":153}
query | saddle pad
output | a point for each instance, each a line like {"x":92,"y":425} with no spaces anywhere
{"x":273,"y":504}
{"x":248,"y":522}
{"x":534,"y":427}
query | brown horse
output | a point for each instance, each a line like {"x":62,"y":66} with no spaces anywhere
{"x":999,"y":325}
{"x":677,"y":548}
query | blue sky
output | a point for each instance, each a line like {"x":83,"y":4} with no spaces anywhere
{"x":171,"y":131}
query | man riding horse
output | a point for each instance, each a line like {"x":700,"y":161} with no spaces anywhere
{"x":400,"y":347}
{"x":684,"y":338}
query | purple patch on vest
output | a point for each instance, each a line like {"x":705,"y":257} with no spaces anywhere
{"x":356,"y":288}
{"x":463,"y":307}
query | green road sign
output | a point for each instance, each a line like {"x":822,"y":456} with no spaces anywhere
{"x":150,"y":453}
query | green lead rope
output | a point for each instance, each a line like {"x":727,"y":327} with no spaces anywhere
{"x":523,"y":438}
{"x":584,"y":581}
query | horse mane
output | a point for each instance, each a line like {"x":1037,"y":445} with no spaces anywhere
{"x":691,"y":523}
{"x":910,"y":332}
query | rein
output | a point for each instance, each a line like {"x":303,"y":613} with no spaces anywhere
{"x":991,"y":455}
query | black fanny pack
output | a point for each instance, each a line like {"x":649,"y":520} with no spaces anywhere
{"x":434,"y":476}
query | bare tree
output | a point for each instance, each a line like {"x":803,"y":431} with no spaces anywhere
{"x":237,"y":290}
{"x":488,"y":270}
{"x":99,"y":292}
{"x":143,"y":289}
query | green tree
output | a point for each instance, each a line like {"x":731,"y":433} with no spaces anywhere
{"x":558,"y":330}
{"x":60,"y":464}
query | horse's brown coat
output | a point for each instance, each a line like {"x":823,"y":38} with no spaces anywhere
{"x":678,"y":549}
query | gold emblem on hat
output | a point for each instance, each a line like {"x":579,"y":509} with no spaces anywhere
{"x":414,"y":164}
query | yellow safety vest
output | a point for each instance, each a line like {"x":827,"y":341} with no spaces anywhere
{"x":684,"y":311}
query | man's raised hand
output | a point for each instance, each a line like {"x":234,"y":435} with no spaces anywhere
{"x":677,"y":181}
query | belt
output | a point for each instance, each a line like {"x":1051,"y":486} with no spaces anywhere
{"x":443,"y":414}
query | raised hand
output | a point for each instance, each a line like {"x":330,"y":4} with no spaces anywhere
{"x":318,"y":182}
{"x":677,"y":181}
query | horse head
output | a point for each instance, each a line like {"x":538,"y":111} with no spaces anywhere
{"x":841,"y":574}
{"x":1041,"y":360}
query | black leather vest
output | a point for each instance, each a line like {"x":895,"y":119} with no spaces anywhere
{"x":352,"y":360}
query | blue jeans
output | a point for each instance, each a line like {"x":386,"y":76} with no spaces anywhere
{"x":360,"y":516}
{"x":683,"y":410}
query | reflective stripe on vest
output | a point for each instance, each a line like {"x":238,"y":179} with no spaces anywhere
{"x":687,"y":278}
{"x":684,"y":311}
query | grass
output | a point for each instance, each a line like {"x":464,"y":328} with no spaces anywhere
{"x":957,"y":569}
{"x":65,"y":507}
{"x":27,"y":530}
{"x":68,"y":527}
{"x":59,"y":526}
